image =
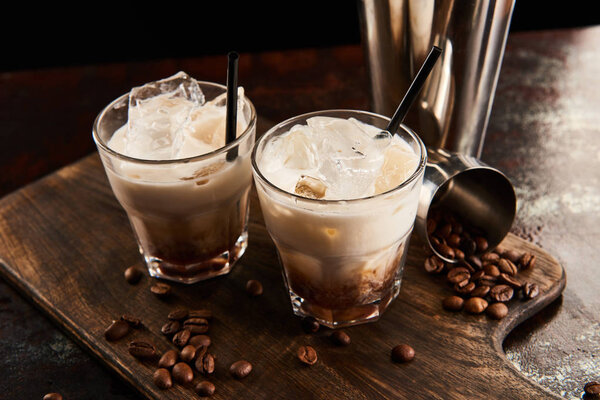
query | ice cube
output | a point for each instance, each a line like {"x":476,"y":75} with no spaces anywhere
{"x":400,"y":162}
{"x":159,"y":112}
{"x":312,"y":188}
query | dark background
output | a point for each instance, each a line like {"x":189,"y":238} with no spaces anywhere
{"x":44,"y":36}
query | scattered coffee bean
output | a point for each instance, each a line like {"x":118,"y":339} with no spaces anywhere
{"x":475,"y":262}
{"x":468,"y":246}
{"x":477,"y":275}
{"x":196,"y":325}
{"x":458,"y":254}
{"x":170,"y":328}
{"x":307,"y":355}
{"x":592,"y":389}
{"x":161,"y":290}
{"x":480,"y":291}
{"x":433,"y":264}
{"x":490,"y":258}
{"x":310,"y":325}
{"x":491,"y":270}
{"x":465,"y":289}
{"x":530,"y":290}
{"x":475,"y":305}
{"x":162,"y":378}
{"x":188,"y":353}
{"x":200,"y":340}
{"x":178,"y":314}
{"x":200,"y":313}
{"x":168,"y":359}
{"x":240,"y":369}
{"x":205,"y":388}
{"x":497,"y":310}
{"x":116,"y":330}
{"x":182,"y":373}
{"x":143,"y":350}
{"x":507,"y":266}
{"x":181,"y":338}
{"x":453,"y":303}
{"x":467,"y":265}
{"x":501,"y":293}
{"x":53,"y":396}
{"x":446,"y":250}
{"x":512,"y":255}
{"x":254,"y":287}
{"x":133,"y":275}
{"x":527,"y":261}
{"x":458,"y":274}
{"x":132,"y":321}
{"x":510,"y":280}
{"x":487,"y":280}
{"x":403,"y":353}
{"x":205,"y":364}
{"x":340,"y":338}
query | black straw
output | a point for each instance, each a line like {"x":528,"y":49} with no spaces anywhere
{"x":231,"y":118}
{"x":414,"y":89}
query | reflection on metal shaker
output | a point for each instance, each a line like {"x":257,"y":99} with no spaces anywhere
{"x":453,"y":108}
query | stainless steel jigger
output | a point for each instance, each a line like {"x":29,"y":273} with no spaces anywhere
{"x":480,"y":195}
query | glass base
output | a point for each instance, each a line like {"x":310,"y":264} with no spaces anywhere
{"x":199,"y":271}
{"x":338,"y":318}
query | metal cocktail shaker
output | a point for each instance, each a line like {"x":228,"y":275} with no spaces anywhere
{"x":453,"y":108}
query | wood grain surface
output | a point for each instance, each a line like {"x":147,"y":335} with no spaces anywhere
{"x":65,"y":243}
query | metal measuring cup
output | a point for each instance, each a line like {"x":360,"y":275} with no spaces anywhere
{"x":478,"y":194}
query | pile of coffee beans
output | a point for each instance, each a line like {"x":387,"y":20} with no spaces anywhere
{"x":482,"y":280}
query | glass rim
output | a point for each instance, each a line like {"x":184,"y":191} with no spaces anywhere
{"x":420,"y":167}
{"x":100,"y":143}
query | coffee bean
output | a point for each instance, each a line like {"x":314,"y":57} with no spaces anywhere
{"x":178,"y":314}
{"x":468,"y":246}
{"x":487,"y":280}
{"x":512,"y":255}
{"x":196,"y":325}
{"x":201,"y":313}
{"x":116,"y":330}
{"x":132,"y":321}
{"x":501,"y":293}
{"x":475,"y":305}
{"x":475,"y":262}
{"x":310,"y":325}
{"x":254,"y":287}
{"x":530,"y":290}
{"x":491,"y":270}
{"x":188,"y":353}
{"x":592,"y":389}
{"x":477,"y":275}
{"x":132,"y":275}
{"x":466,"y":289}
{"x":170,"y":328}
{"x":480,"y":291}
{"x":444,"y":231}
{"x":431,"y":225}
{"x":482,"y":244}
{"x":458,"y":274}
{"x":200,"y":340}
{"x":403,"y":353}
{"x":490,"y":258}
{"x":205,"y":364}
{"x":507,"y":266}
{"x":340,"y":338}
{"x":240,"y":369}
{"x":527,"y":261}
{"x":453,"y":303}
{"x":307,"y":355}
{"x":446,"y":250}
{"x":181,"y":338}
{"x":143,"y":350}
{"x":53,"y":396}
{"x":453,"y":240}
{"x":161,"y":290}
{"x":168,"y":359}
{"x":433,"y":264}
{"x":510,"y":280}
{"x":182,"y":373}
{"x":497,"y":310}
{"x":162,"y":378}
{"x":467,"y":265}
{"x":205,"y":388}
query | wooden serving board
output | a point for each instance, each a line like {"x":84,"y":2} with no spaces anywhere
{"x":65,"y":242}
